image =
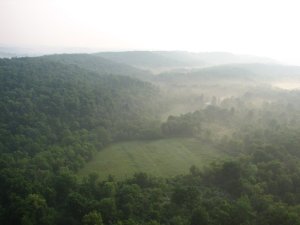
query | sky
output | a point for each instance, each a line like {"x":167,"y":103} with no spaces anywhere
{"x":255,"y":27}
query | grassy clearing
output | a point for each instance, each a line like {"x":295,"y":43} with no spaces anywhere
{"x":165,"y":158}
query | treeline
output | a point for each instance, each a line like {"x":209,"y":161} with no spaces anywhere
{"x":233,"y":116}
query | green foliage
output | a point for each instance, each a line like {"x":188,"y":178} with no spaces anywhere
{"x":92,"y":218}
{"x":55,"y":116}
{"x":97,"y":64}
{"x":185,"y":125}
{"x":200,"y":217}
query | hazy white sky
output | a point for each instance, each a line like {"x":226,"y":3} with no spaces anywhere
{"x":259,"y":27}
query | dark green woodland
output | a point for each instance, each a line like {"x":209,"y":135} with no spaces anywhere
{"x":57,"y":112}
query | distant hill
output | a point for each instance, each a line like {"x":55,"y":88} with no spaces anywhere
{"x":97,"y":64}
{"x":214,"y":74}
{"x":8,"y":52}
{"x":144,"y":59}
{"x":6,"y":55}
{"x":269,"y":72}
{"x":158,"y":61}
{"x":213,"y":58}
{"x":234,"y":73}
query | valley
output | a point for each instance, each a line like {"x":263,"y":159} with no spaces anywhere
{"x":149,"y":138}
{"x":149,"y":112}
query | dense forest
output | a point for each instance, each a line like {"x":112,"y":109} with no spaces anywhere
{"x":57,"y":112}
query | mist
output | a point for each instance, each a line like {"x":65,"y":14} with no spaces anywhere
{"x":138,"y":112}
{"x":261,"y":28}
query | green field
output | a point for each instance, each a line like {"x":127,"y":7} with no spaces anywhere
{"x":166,"y":157}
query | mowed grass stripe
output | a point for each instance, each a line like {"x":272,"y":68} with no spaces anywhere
{"x":164,"y":158}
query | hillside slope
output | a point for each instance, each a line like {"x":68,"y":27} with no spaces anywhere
{"x":167,"y":60}
{"x":260,"y":73}
{"x":45,"y":102}
{"x":98,"y":65}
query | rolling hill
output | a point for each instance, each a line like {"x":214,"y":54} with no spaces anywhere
{"x":42,"y":101}
{"x":259,"y":73}
{"x":159,"y":61}
{"x":98,"y":65}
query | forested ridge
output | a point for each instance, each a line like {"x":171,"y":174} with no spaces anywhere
{"x":98,"y":64}
{"x":55,"y":116}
